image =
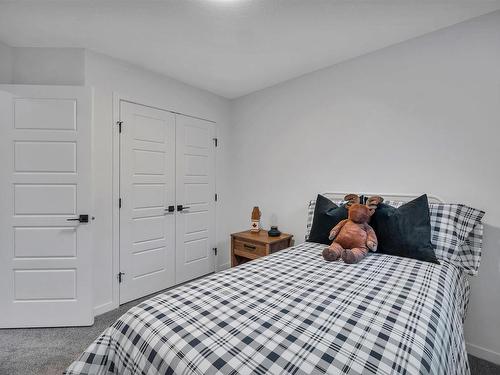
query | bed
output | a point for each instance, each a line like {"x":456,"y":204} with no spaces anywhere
{"x":292,"y":312}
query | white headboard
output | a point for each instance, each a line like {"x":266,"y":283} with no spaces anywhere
{"x":337,"y":195}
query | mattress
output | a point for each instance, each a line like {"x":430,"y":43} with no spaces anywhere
{"x":294,"y":313}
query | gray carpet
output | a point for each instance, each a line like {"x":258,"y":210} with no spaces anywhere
{"x":48,"y":351}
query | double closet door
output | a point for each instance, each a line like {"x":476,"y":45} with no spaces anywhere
{"x":167,"y":195}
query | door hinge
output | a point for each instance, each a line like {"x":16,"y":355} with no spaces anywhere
{"x":119,"y":123}
{"x":215,"y":250}
{"x":119,"y":203}
{"x":120,"y":276}
{"x":216,"y":141}
{"x":216,"y":197}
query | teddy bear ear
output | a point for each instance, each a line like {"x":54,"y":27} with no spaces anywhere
{"x":373,"y":202}
{"x":351,"y":199}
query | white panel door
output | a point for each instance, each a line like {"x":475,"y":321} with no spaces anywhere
{"x":147,"y":183}
{"x":195,"y":191}
{"x":45,"y":184}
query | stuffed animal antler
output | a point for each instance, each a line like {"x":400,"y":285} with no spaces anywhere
{"x":373,"y":202}
{"x":351,"y":199}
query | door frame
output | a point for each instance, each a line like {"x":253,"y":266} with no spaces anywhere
{"x":117,"y":99}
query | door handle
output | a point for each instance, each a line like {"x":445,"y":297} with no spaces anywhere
{"x":182,"y":208}
{"x":80,"y":218}
{"x":169,"y":210}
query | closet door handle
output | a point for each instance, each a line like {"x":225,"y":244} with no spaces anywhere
{"x":182,"y":208}
{"x":169,"y":210}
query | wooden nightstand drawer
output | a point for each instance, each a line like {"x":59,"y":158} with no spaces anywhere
{"x":249,"y":248}
{"x":249,"y":245}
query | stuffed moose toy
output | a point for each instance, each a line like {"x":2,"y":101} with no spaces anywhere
{"x":353,"y":237}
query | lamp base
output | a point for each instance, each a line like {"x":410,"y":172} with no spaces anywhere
{"x":274,"y":232}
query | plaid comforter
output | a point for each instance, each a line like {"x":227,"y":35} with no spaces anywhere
{"x":294,"y":313}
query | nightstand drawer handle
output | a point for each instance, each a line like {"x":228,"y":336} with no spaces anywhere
{"x":249,"y":247}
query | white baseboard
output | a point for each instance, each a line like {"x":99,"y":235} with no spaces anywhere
{"x":483,"y":353}
{"x":222,"y":267}
{"x":104,"y":308}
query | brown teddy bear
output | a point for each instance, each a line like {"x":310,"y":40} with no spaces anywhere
{"x":353,"y":237}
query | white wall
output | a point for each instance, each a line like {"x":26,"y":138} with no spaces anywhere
{"x":109,"y":75}
{"x":48,"y":66}
{"x":5,"y":63}
{"x":421,"y":116}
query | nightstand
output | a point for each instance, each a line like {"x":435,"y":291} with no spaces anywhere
{"x":249,"y":245}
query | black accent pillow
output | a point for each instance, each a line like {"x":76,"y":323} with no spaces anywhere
{"x":405,"y":231}
{"x":326,"y":215}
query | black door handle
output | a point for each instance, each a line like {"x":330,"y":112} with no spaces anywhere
{"x":180,"y":207}
{"x":80,"y":218}
{"x":169,"y":210}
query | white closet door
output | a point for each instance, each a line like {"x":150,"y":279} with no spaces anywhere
{"x":45,"y":180}
{"x":147,"y":183}
{"x":195,"y":191}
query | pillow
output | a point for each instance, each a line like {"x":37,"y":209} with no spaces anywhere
{"x":405,"y":231}
{"x":326,"y":215}
{"x":310,"y":214}
{"x":457,"y":234}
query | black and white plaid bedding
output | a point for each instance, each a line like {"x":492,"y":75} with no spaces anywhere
{"x":294,"y":313}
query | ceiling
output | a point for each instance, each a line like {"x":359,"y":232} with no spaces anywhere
{"x":229,"y":47}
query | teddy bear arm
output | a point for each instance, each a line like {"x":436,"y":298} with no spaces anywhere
{"x":336,"y":229}
{"x":371,"y":238}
